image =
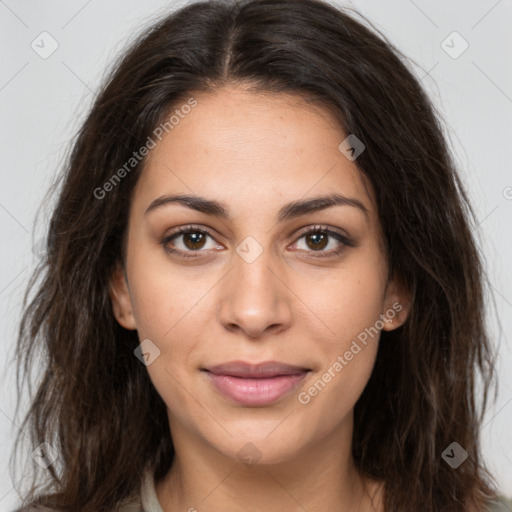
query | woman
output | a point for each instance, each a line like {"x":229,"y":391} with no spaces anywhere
{"x":261,"y":290}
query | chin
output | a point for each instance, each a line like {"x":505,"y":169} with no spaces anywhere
{"x":261,"y":448}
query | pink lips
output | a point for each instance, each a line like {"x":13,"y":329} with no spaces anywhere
{"x":255,"y":385}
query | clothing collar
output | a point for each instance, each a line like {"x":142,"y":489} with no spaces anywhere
{"x":149,"y":500}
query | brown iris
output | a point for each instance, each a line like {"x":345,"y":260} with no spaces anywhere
{"x":319,"y":240}
{"x":194,"y":239}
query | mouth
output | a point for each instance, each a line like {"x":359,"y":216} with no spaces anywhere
{"x":255,"y":385}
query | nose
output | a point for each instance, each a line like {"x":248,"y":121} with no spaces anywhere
{"x":254,"y":298}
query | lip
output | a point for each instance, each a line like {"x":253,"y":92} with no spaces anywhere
{"x":255,"y":384}
{"x":259,"y":370}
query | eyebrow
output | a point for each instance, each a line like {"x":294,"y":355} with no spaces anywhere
{"x":287,"y":212}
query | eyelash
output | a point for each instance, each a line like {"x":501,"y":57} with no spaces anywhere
{"x":314,"y":229}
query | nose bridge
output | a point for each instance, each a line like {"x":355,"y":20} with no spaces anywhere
{"x":253,"y":297}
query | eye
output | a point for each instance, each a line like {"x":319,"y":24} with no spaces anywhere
{"x":317,"y":238}
{"x":192,"y":240}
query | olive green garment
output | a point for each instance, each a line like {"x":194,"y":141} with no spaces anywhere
{"x":148,"y":501}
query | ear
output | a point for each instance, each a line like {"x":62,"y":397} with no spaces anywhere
{"x":120,"y":299}
{"x":397,"y":304}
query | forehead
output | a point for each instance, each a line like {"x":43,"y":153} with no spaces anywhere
{"x":244,"y":147}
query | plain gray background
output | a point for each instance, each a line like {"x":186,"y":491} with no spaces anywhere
{"x":43,"y":100}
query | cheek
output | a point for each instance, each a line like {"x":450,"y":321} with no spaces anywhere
{"x":346,"y":300}
{"x":348,"y":358}
{"x":349,"y":305}
{"x":168,"y":319}
{"x":169,"y":310}
{"x":165,"y":299}
{"x":331,"y":396}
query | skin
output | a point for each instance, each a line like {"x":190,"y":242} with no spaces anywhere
{"x":255,"y":153}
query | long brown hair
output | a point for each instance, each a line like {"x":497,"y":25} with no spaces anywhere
{"x":95,"y":404}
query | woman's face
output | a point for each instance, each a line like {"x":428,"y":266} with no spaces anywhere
{"x":250,"y":285}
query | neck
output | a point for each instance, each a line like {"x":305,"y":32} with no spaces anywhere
{"x":320,"y":478}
